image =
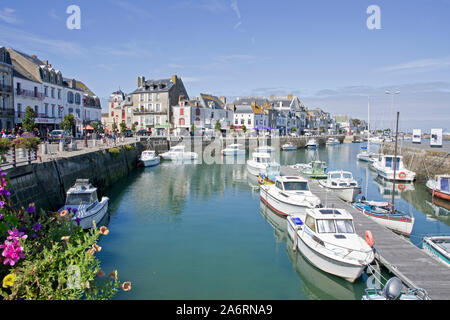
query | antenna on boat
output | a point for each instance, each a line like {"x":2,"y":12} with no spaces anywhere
{"x":395,"y":164}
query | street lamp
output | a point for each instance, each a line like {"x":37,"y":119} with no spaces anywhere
{"x":392,"y":106}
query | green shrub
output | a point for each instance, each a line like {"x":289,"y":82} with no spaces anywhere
{"x":129,"y":147}
{"x":5,"y":145}
{"x":114,"y":151}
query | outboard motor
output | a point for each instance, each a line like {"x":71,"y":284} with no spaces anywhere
{"x":393,"y":288}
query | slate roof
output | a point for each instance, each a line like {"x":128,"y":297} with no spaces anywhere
{"x":155,"y":85}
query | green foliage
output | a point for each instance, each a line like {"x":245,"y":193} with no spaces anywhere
{"x":123,"y":127}
{"x":114,"y":151}
{"x":96,"y":126}
{"x":57,"y":261}
{"x":244,"y":128}
{"x":28,"y":123}
{"x":129,"y":147}
{"x":218,"y":127}
{"x":68,"y":123}
{"x":294,"y":130}
{"x":232,"y":127}
{"x":114,"y":126}
{"x":5,"y":145}
{"x":192,"y":128}
{"x":133,"y":128}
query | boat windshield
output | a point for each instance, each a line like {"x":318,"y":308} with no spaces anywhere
{"x":344,"y":226}
{"x":326,"y":226}
{"x":347,"y":175}
{"x":175,"y":150}
{"x":389,"y":161}
{"x":296,"y":186}
{"x":80,"y":198}
{"x":262,"y":160}
{"x":335,"y":175}
{"x":445,"y":184}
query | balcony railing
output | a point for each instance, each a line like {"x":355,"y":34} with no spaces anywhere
{"x":7,"y":112}
{"x":37,"y":115}
{"x":5,"y":88}
{"x":30,"y":93}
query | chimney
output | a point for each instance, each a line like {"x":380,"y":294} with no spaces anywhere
{"x":74,"y":84}
{"x":45,"y":62}
{"x":223,"y":99}
{"x":174,"y":79}
{"x":139,"y":82}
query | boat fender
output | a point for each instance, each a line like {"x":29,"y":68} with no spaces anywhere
{"x":402,"y":175}
{"x":401,"y":187}
{"x":369,"y":238}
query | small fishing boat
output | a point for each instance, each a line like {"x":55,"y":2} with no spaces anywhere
{"x":261,"y":163}
{"x":289,"y":195}
{"x":265,"y":149}
{"x":233,"y":150}
{"x":314,"y":170}
{"x":332,"y":142}
{"x":288,"y":147}
{"x":376,"y":140}
{"x":269,"y":178}
{"x":342,"y":184}
{"x":326,"y":237}
{"x":438,"y":246}
{"x":83,"y":202}
{"x":366,"y":155}
{"x":178,"y":153}
{"x":149,"y":158}
{"x":382,"y":213}
{"x":384,"y":166}
{"x":312,"y":144}
{"x":440,"y":186}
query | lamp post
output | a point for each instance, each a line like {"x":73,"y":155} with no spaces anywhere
{"x":392,"y":107}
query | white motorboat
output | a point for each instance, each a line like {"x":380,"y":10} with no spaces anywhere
{"x":439,"y":247}
{"x":83,"y":202}
{"x":149,"y":158}
{"x":233,"y":150}
{"x":384,"y":166}
{"x":376,"y":140}
{"x":288,"y":147}
{"x":178,"y":153}
{"x":386,"y":188}
{"x":342,"y":184}
{"x":264,"y":149}
{"x":326,"y":238}
{"x":394,"y":290}
{"x":289,"y":195}
{"x":312,"y":144}
{"x":366,"y":155}
{"x":332,"y":142}
{"x":440,"y":186}
{"x":261,"y":164}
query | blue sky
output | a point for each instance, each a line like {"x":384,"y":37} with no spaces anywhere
{"x":320,"y":50}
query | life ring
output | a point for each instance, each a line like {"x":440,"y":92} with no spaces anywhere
{"x":369,"y":238}
{"x":402,"y":175}
{"x":401,"y":187}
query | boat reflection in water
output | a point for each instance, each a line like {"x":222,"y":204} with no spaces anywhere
{"x":315,"y":283}
{"x":385,"y":188}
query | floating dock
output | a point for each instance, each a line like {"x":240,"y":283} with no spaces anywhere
{"x":413,"y":266}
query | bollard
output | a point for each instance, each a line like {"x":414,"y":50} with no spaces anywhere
{"x":61,"y":146}
{"x":94,"y":143}
{"x":44,"y":149}
{"x":74,"y":145}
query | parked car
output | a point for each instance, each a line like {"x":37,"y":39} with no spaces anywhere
{"x":58,"y":135}
{"x":143,"y":132}
{"x":128,"y":133}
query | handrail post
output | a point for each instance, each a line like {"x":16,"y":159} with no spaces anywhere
{"x":14,"y":156}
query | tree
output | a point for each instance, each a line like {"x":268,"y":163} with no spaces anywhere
{"x":123,"y":127}
{"x":232,"y":127}
{"x":68,"y":123}
{"x":133,"y":128}
{"x":356,"y":122}
{"x":244,"y":128}
{"x":28,"y":121}
{"x":96,"y":126}
{"x":218,"y":127}
{"x":192,"y":128}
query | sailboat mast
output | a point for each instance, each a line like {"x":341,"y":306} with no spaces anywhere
{"x":395,"y":163}
{"x":368,"y":125}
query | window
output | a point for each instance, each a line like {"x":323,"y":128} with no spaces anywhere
{"x":181,"y":112}
{"x":181,"y":121}
{"x":157,"y":97}
{"x":36,"y":109}
{"x":242,"y":121}
{"x":142,"y":97}
{"x":197,"y":112}
{"x":296,"y":186}
{"x":53,"y":92}
{"x":236,"y":121}
{"x":19,"y":110}
{"x":310,"y":223}
{"x":249,"y":121}
{"x":46,"y":91}
{"x":46,"y":108}
{"x":326,"y":226}
{"x":344,"y":226}
{"x":53,"y":110}
{"x":59,"y":93}
{"x":279,"y":185}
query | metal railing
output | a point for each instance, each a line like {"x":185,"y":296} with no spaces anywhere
{"x":15,"y":157}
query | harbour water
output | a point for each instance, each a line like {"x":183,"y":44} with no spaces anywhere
{"x":198,"y":231}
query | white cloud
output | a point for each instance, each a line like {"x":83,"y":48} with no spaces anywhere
{"x":237,"y":25}
{"x":234,"y":6}
{"x":419,"y":65}
{"x":8,"y":15}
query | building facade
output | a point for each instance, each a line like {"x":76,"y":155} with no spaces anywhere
{"x":6,"y":91}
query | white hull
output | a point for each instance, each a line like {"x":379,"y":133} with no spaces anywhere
{"x":349,"y":272}
{"x":151,"y":162}
{"x":178,"y":157}
{"x":255,"y":169}
{"x":233,"y":152}
{"x":289,"y":148}
{"x":389,"y":175}
{"x":95,"y":214}
{"x":403,"y":227}
{"x":347,"y":194}
{"x":282,"y":208}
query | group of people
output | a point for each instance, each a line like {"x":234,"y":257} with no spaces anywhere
{"x":15,"y":132}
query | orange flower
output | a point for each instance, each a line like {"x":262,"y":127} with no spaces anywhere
{"x":113,"y":274}
{"x":63,"y":213}
{"x":96,"y":247}
{"x":104,"y":230}
{"x":126,"y":286}
{"x":91,"y":251}
{"x":100,"y":273}
{"x":66,"y":239}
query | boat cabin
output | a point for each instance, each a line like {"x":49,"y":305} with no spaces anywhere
{"x":148,"y":154}
{"x":330,"y":220}
{"x":261,"y":157}
{"x":341,"y":178}
{"x":388,"y":162}
{"x":443,"y":183}
{"x":177,"y":149}
{"x":285,"y":183}
{"x":81,"y":193}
